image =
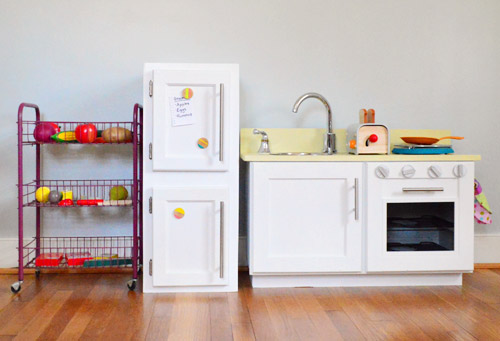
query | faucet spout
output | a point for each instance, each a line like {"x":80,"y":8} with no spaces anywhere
{"x":329,"y":146}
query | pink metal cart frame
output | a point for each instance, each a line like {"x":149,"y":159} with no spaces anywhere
{"x":80,"y":252}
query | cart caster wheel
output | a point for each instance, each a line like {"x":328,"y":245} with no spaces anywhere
{"x":37,"y":273}
{"x":16,"y":287}
{"x":132,"y":284}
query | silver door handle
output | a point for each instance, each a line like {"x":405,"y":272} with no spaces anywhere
{"x":423,"y":189}
{"x":221,"y":241}
{"x":356,"y":198}
{"x":221,"y":123}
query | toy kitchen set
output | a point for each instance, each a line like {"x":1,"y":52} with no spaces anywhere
{"x":386,"y":208}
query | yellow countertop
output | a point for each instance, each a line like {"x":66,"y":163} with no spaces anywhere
{"x":311,"y":140}
{"x":356,"y":158}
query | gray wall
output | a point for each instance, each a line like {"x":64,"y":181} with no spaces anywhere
{"x":420,"y":64}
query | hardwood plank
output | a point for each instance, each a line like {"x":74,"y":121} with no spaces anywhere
{"x":27,"y":304}
{"x":324,"y":327}
{"x":160,"y":320}
{"x":191,"y":314}
{"x":240,"y":317}
{"x":220,"y":320}
{"x":81,"y":286}
{"x":259,"y":314}
{"x":43,"y":318}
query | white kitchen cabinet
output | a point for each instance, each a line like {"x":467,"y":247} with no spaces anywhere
{"x":305,"y":217}
{"x":189,"y":236}
{"x":179,"y":123}
{"x":191,"y":135}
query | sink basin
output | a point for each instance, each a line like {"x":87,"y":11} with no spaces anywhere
{"x":298,"y":154}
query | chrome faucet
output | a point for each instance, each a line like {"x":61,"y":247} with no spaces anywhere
{"x":264,"y":143}
{"x":329,"y":145}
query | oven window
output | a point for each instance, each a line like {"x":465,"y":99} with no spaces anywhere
{"x":421,"y":226}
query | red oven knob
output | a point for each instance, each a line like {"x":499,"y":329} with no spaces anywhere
{"x":373,"y":138}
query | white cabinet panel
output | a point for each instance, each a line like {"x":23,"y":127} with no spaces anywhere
{"x":303,"y":217}
{"x":177,"y":130}
{"x":190,"y":248}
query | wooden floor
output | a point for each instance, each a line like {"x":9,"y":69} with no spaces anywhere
{"x":92,"y":307}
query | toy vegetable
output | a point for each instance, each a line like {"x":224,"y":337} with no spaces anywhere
{"x":86,"y":133}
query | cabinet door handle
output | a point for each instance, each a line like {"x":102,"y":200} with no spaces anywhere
{"x":221,"y":241}
{"x":356,"y":198}
{"x":221,"y":123}
{"x":423,"y":189}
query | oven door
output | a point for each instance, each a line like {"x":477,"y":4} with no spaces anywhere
{"x":420,"y":224}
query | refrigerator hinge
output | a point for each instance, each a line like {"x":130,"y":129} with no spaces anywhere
{"x":150,"y":205}
{"x":151,"y":151}
{"x":150,"y":267}
{"x":151,"y":88}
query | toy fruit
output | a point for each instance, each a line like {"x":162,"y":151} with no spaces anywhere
{"x":64,"y":136}
{"x":55,"y":196}
{"x":117,"y":134}
{"x":43,"y":132}
{"x":56,"y":127}
{"x":118,"y":193}
{"x":66,"y":202}
{"x":86,"y":133}
{"x":42,"y":194}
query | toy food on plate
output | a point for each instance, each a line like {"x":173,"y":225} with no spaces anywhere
{"x":115,"y":203}
{"x":66,"y":202}
{"x":89,"y":202}
{"x":55,"y":196}
{"x":86,"y":133}
{"x":67,"y":195}
{"x":118,"y":193}
{"x":117,"y":134}
{"x":77,"y":258}
{"x":49,"y":259}
{"x":65,"y":136}
{"x":44,"y":131}
{"x":42,"y":194}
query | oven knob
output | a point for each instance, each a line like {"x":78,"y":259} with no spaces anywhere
{"x":382,"y":172}
{"x":408,"y":171}
{"x":460,"y":171}
{"x":434,"y":171}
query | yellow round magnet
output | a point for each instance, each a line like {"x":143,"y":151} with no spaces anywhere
{"x":179,"y":213}
{"x":187,"y":93}
{"x":203,"y":142}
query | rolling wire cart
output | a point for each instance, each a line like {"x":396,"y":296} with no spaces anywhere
{"x":74,"y":251}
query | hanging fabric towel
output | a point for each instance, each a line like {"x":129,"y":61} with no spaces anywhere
{"x":482,"y":211}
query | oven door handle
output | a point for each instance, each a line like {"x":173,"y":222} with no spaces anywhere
{"x":423,"y":189}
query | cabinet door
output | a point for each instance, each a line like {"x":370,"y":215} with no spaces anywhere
{"x":190,"y":133}
{"x":189,"y":237}
{"x":303,"y":217}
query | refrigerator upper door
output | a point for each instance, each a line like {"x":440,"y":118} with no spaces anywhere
{"x":191,"y":114}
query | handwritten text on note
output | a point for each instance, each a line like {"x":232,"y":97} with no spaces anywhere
{"x":181,"y":111}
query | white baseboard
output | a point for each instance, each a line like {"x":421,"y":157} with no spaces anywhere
{"x":487,"y":250}
{"x":374,"y":280}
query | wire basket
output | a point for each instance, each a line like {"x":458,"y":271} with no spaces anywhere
{"x":82,"y":192}
{"x":28,"y":137}
{"x":79,"y":252}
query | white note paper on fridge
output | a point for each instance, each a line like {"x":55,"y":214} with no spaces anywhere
{"x":181,"y":111}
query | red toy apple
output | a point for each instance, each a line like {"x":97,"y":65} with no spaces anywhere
{"x":86,"y":133}
{"x":56,"y":127}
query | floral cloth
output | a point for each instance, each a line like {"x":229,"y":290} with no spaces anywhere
{"x":482,"y":211}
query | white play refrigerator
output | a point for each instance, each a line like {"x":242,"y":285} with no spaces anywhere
{"x":191,"y":150}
